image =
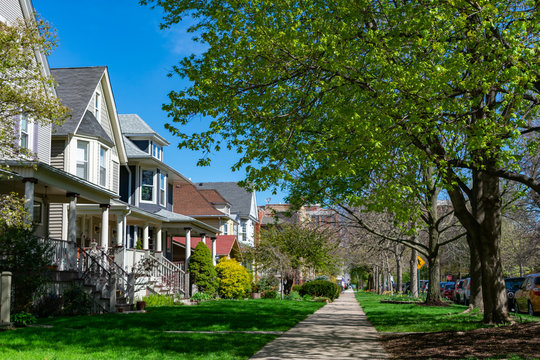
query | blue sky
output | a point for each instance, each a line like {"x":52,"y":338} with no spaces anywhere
{"x":126,"y":38}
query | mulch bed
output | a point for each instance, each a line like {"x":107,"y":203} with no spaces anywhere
{"x":519,"y":339}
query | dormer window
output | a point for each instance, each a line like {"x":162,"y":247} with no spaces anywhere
{"x":97,"y":106}
{"x":156,"y":151}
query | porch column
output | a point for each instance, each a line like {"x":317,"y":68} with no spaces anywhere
{"x":83,"y":231}
{"x":213,"y":238}
{"x":188,"y":245}
{"x":135,"y":235}
{"x":72,"y":217}
{"x":203,"y":238}
{"x":29,"y":197}
{"x":145,"y":237}
{"x":157,"y":247}
{"x":119,"y":230}
{"x":105,"y":226}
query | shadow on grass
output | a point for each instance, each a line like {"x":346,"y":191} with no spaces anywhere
{"x":94,"y":343}
{"x":223,"y":315}
{"x":141,"y":336}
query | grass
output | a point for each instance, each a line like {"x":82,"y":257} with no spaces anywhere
{"x":417,"y":318}
{"x":142,"y":336}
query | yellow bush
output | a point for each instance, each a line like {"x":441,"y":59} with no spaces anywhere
{"x":234,"y":279}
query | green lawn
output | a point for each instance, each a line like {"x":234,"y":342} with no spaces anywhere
{"x":142,"y":336}
{"x":418,"y":318}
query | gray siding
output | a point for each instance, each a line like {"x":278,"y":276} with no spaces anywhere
{"x":44,"y":143}
{"x":57,"y":153}
{"x":11,"y":10}
{"x":105,"y":119}
{"x":55,"y":220}
{"x":116,"y":177}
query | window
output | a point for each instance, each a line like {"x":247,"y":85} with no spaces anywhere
{"x":162,"y":185}
{"x":82,"y":159}
{"x":97,"y":105}
{"x":24,"y":131}
{"x":37,"y":212}
{"x":156,"y":151}
{"x":147,"y":188}
{"x":102,"y":166}
{"x":226,"y":229}
{"x":244,"y":231}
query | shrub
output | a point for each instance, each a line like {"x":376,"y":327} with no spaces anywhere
{"x":267,"y":282}
{"x":322,"y":277}
{"x":321,"y":299}
{"x":201,"y":269}
{"x":234,"y":280}
{"x":296,"y":288}
{"x":48,"y":305}
{"x":159,"y":300}
{"x":201,"y":296}
{"x":318,"y":288}
{"x":293,"y":295}
{"x":307,"y":298}
{"x":269,"y":294}
{"x":23,"y":319}
{"x":28,"y":258}
{"x":76,"y":301}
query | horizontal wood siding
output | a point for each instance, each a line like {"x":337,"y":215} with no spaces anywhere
{"x":57,"y":153}
{"x":10,"y":10}
{"x":55,"y":220}
{"x":116,"y":177}
{"x":43,"y":143}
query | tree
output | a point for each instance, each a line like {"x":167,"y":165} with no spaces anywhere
{"x":202,"y":271}
{"x":25,"y":90}
{"x":338,"y":88}
{"x":25,"y":87}
{"x":291,"y":248}
{"x":234,"y":279}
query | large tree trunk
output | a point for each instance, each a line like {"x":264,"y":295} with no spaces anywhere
{"x":484,"y":228}
{"x":475,"y":272}
{"x":399,"y":269}
{"x":414,"y":275}
{"x":434,"y":292}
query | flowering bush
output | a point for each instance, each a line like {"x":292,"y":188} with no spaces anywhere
{"x":234,"y":280}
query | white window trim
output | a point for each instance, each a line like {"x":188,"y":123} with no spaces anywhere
{"x":163,"y":188}
{"x":159,"y":149}
{"x":97,"y":106}
{"x":153,"y":201}
{"x":88,"y":160}
{"x":106,"y":163}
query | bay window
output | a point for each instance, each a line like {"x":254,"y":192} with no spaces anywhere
{"x":147,"y":187}
{"x":82,"y":159}
{"x":102,"y":166}
{"x":162,"y":186}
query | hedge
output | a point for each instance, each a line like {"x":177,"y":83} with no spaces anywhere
{"x":318,"y":288}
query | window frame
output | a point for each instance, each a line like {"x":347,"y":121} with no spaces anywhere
{"x":162,"y":189}
{"x":153,"y":186}
{"x":24,"y":133}
{"x":97,"y":106}
{"x":84,"y":161}
{"x":105,"y":166}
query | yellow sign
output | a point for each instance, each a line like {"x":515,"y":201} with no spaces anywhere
{"x":420,"y":263}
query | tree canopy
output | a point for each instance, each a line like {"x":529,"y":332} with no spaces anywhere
{"x":334,"y":96}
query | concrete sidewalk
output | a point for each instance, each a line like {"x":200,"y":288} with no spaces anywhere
{"x":339,"y":330}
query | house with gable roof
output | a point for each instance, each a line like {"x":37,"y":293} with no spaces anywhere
{"x":243,"y":208}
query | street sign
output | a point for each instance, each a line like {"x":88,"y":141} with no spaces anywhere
{"x":420,"y":263}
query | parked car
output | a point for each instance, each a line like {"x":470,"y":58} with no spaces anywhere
{"x":424,"y":285}
{"x":528,"y":296}
{"x":458,"y":293}
{"x":465,"y":291}
{"x":442,"y":283}
{"x":449,"y":290}
{"x":512,"y":285}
